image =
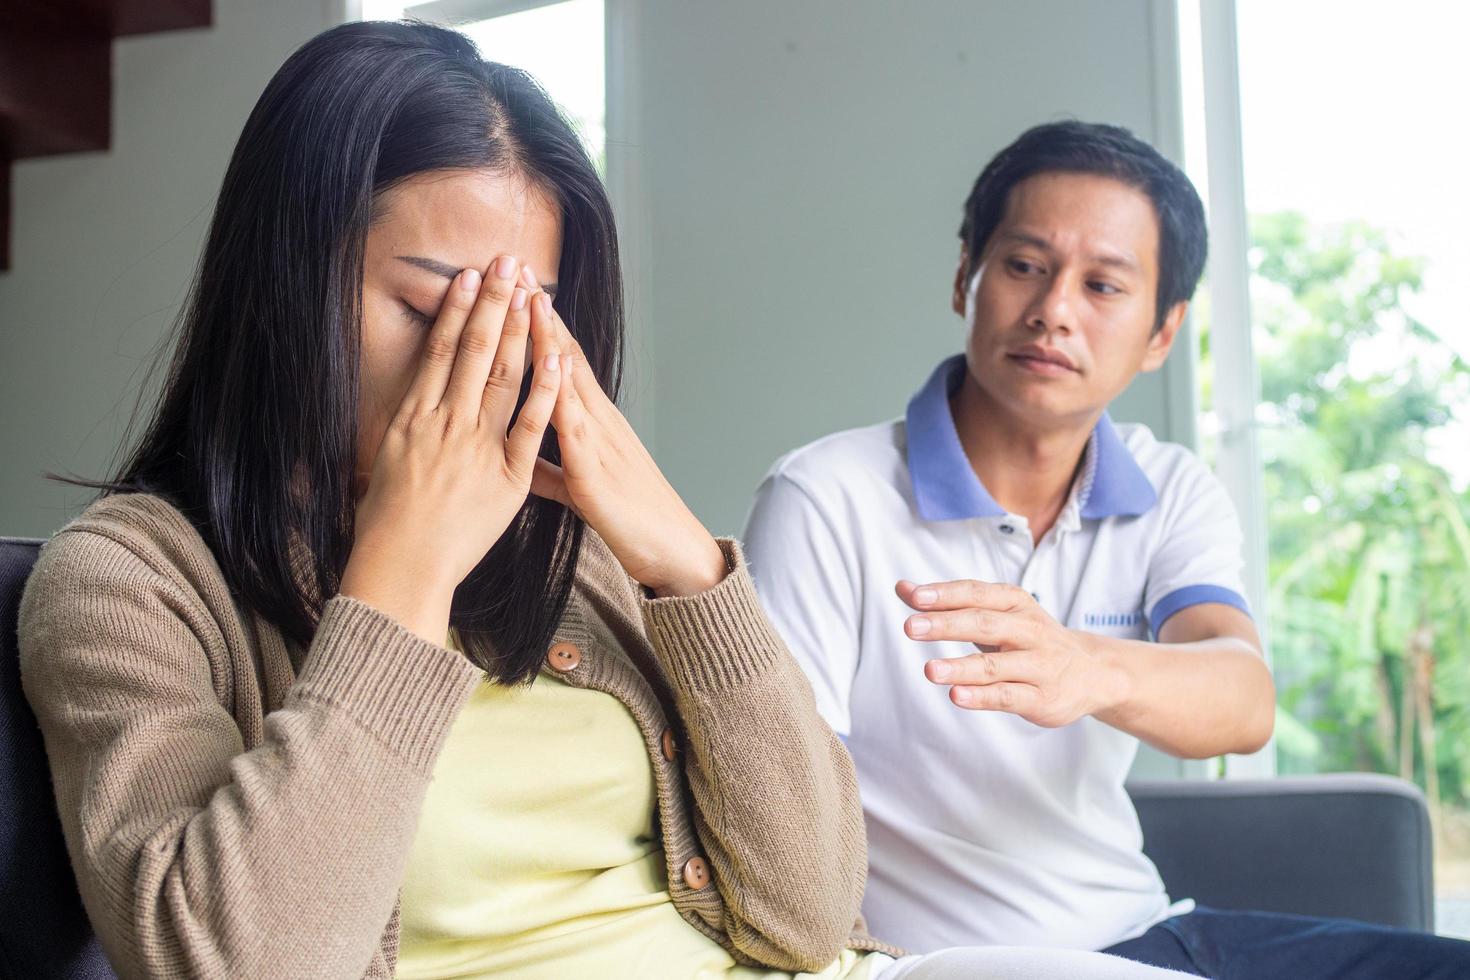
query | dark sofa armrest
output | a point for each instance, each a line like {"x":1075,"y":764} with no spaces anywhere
{"x":1350,"y":845}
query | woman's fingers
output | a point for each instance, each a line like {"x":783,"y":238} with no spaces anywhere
{"x":548,"y":481}
{"x":593,"y":398}
{"x":480,"y":339}
{"x":558,"y":327}
{"x":442,"y":347}
{"x":544,"y":316}
{"x":521,"y":331}
{"x":570,"y":415}
{"x":503,"y":387}
{"x":528,"y":276}
{"x":523,"y":444}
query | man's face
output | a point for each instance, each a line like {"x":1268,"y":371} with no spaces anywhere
{"x":1060,"y":305}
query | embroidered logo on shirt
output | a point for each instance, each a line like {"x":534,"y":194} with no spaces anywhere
{"x":1113,"y":619}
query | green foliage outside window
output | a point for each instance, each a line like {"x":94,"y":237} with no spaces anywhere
{"x":1369,"y":540}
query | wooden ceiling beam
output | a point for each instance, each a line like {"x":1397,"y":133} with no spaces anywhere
{"x":56,"y":75}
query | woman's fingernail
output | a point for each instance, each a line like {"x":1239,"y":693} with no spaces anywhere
{"x":469,"y":280}
{"x":963,"y":695}
{"x":925,"y":596}
{"x":551,"y":363}
{"x":518,"y":299}
{"x":919,"y":625}
{"x":505,"y":267}
{"x":938,"y":670}
{"x":545,"y":302}
{"x":530,"y":277}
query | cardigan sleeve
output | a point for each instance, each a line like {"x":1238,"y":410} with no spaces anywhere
{"x":194,"y":857}
{"x":775,"y":793}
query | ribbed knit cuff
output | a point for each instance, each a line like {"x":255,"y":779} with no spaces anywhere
{"x":398,"y":685}
{"x":717,"y":638}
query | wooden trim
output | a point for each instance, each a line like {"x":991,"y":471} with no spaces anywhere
{"x":56,"y":75}
{"x":55,"y":93}
{"x":4,"y":215}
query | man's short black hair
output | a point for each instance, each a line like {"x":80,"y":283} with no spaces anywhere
{"x":1107,"y":151}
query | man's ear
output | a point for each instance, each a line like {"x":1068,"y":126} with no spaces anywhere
{"x":1162,"y":341}
{"x":961,"y":282}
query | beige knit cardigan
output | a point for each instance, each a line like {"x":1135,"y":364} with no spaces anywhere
{"x":236,"y":806}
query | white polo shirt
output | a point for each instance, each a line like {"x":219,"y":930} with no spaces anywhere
{"x":984,"y":828}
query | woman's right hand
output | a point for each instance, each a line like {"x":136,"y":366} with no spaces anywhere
{"x":448,"y":477}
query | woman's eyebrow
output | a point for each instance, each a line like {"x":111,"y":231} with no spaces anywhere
{"x":450,"y":271}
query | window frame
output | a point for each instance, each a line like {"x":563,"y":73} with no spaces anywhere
{"x":1221,"y":176}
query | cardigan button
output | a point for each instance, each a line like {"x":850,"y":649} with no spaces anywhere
{"x":670,"y":747}
{"x":696,"y":873}
{"x":564,"y":657}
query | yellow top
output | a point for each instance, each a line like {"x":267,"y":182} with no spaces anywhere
{"x":535,"y":855}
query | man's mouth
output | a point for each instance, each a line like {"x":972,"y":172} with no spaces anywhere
{"x":1043,"y":360}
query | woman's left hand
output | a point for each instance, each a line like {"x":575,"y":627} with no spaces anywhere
{"x":609,"y":480}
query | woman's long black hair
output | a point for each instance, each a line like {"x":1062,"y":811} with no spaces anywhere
{"x":254,"y":433}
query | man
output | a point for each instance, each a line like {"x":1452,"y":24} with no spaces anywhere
{"x":1072,"y":586}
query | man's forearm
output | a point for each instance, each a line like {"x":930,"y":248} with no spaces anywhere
{"x":1194,"y":700}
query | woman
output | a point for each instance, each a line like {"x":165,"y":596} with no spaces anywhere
{"x":283,"y":665}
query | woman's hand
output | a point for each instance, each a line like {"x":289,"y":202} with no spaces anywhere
{"x":448,"y":477}
{"x":608,"y":479}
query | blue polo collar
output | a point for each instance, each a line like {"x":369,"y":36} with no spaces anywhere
{"x":947,"y":489}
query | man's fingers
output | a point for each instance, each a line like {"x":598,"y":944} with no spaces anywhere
{"x":984,"y":669}
{"x":441,"y":348}
{"x":481,"y":338}
{"x":1016,"y":699}
{"x":523,"y":444}
{"x":961,"y":594}
{"x":1007,"y":630}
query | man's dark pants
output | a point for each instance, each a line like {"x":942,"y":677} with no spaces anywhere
{"x":1227,"y":945}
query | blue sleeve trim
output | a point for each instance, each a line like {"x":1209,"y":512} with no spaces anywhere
{"x":1193,"y":595}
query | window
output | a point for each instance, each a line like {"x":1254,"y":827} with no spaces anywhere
{"x":561,"y":43}
{"x":1346,"y":405}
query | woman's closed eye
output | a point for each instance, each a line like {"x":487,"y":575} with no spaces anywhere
{"x":412,"y":313}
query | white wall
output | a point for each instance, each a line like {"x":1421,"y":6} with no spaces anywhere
{"x":791,"y":185}
{"x":800,"y":169}
{"x":103,"y":245}
{"x":805,"y":165}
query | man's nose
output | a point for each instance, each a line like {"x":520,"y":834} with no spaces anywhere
{"x":1053,"y":308}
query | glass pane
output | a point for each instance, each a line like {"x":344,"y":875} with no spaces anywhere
{"x":561,"y":44}
{"x":1355,"y":185}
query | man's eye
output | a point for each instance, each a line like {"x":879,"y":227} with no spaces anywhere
{"x":421,"y":318}
{"x":1106,"y":288}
